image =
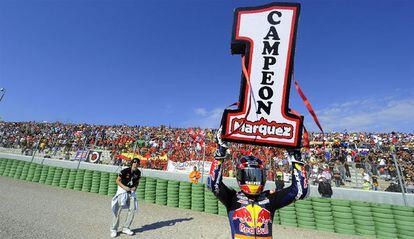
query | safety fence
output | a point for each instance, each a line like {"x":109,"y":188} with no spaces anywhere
{"x":333,"y":215}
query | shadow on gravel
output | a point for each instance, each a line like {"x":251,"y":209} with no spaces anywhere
{"x":157,"y":225}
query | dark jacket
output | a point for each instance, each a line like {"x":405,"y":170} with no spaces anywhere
{"x":325,"y":189}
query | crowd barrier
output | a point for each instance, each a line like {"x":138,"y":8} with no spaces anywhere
{"x":333,"y":215}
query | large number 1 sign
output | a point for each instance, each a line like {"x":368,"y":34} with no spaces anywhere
{"x":265,"y":37}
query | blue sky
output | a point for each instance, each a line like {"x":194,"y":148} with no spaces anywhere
{"x":169,"y":62}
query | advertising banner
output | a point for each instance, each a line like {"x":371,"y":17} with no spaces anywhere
{"x":186,"y":167}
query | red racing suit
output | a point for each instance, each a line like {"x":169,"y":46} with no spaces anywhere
{"x":252,"y":217}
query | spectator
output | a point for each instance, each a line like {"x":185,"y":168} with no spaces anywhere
{"x":337,"y":174}
{"x":324,"y":187}
{"x":279,"y":182}
{"x":375,"y":183}
{"x":194,"y":175}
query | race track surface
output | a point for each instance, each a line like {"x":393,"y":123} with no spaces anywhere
{"x":32,"y":210}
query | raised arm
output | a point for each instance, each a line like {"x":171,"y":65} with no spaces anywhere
{"x":299,"y":189}
{"x":215,"y":178}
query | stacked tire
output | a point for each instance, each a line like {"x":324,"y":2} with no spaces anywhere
{"x":103,"y":184}
{"x":363,"y":218}
{"x":7,"y":167}
{"x":31,"y":172}
{"x":197,"y":197}
{"x":96,"y":180}
{"x":3,"y":163}
{"x":288,"y":216}
{"x":404,"y":220}
{"x":56,"y":176}
{"x":71,"y":179}
{"x":184,"y":195}
{"x":385,"y":226}
{"x":276,"y":218}
{"x":150,"y":188}
{"x":172,"y":193}
{"x":343,"y":218}
{"x":79,"y":179}
{"x":25,"y":170}
{"x":161,"y":192}
{"x":222,"y":211}
{"x":64,"y":178}
{"x":141,"y":188}
{"x":87,"y":181}
{"x":210,"y":202}
{"x":50,"y":175}
{"x":112,"y":186}
{"x":304,"y":214}
{"x":37,"y":173}
{"x":322,"y":212}
{"x":19,"y":170}
{"x":13,"y":168}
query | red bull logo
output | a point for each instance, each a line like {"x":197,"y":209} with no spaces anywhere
{"x":253,"y":219}
{"x":243,"y":215}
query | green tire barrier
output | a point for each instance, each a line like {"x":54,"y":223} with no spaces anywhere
{"x":3,"y":163}
{"x":19,"y":170}
{"x":150,"y":188}
{"x":71,"y":179}
{"x":184,"y":195}
{"x":96,"y":179}
{"x":64,"y":178}
{"x":87,"y":181}
{"x":288,"y":216}
{"x":172,"y":193}
{"x":210,"y":202}
{"x":13,"y":168}
{"x":25,"y":170}
{"x":304,"y":214}
{"x":222,"y":211}
{"x":141,"y":189}
{"x":7,"y":167}
{"x":56,"y":177}
{"x":30,"y":172}
{"x":322,"y":211}
{"x":276,"y":218}
{"x":112,"y":186}
{"x":332,"y":215}
{"x":197,"y":197}
{"x":37,"y":173}
{"x":103,"y":184}
{"x":363,"y":220}
{"x":79,"y":179}
{"x":50,"y":175}
{"x":161,"y":192}
{"x":404,"y":220}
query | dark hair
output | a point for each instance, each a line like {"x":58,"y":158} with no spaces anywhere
{"x":135,"y":160}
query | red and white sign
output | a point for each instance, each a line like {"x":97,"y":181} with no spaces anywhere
{"x":265,"y":37}
{"x":94,"y":156}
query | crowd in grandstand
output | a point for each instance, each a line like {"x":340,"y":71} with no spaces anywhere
{"x":329,"y":156}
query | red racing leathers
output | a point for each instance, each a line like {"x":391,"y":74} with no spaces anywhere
{"x":252,"y":216}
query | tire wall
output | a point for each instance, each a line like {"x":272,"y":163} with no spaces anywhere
{"x":333,"y":215}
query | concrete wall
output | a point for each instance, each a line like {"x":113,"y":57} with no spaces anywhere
{"x":339,"y":193}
